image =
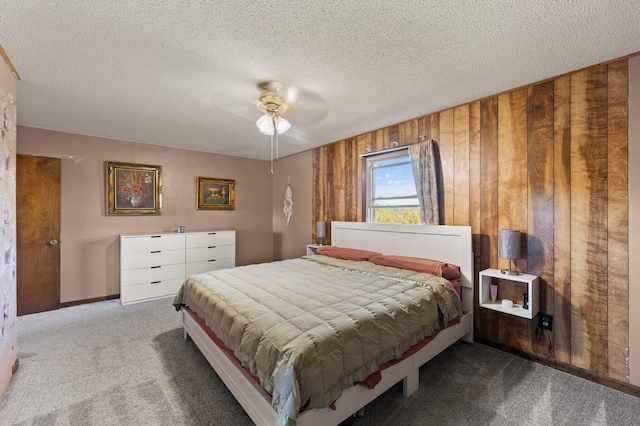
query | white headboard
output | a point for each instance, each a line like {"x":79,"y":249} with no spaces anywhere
{"x":450,"y":244}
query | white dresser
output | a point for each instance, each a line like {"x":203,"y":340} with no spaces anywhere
{"x":156,"y":265}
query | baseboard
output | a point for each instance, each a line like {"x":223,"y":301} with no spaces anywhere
{"x":92,"y":300}
{"x":579,"y":372}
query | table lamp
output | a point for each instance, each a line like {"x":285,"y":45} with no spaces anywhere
{"x":321,"y":231}
{"x":509,"y":248}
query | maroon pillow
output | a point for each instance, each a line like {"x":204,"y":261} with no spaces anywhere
{"x":433,"y":267}
{"x":346,"y":253}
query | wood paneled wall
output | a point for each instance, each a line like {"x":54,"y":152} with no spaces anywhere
{"x":549,"y":159}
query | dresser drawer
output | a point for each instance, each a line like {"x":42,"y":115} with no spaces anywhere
{"x":208,"y":239}
{"x":147,"y":275}
{"x":202,"y":267}
{"x":151,"y":258}
{"x":148,"y":243}
{"x":140,"y":292}
{"x":210,"y":253}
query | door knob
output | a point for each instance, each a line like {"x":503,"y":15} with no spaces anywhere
{"x":53,"y":242}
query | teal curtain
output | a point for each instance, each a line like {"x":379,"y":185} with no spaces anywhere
{"x":423,"y":160}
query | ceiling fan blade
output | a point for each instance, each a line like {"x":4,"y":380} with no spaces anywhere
{"x":306,"y":106}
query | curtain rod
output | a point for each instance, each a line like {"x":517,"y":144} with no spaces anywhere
{"x":395,"y":148}
{"x":384,"y":151}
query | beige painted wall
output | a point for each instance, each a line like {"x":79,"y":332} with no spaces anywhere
{"x":8,"y":351}
{"x":634,"y":220}
{"x":90,"y":239}
{"x":291,"y":240}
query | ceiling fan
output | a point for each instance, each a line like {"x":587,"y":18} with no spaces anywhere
{"x":276,"y":99}
{"x":272,"y":103}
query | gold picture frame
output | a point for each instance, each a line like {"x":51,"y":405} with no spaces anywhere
{"x":133,"y":189}
{"x":216,"y":194}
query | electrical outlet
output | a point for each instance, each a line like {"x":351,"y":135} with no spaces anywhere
{"x":545,"y":321}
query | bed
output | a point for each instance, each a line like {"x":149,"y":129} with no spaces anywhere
{"x":229,"y":302}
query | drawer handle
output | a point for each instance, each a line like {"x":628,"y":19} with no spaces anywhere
{"x":155,"y":267}
{"x":157,"y":251}
{"x":212,"y":260}
{"x":156,"y":236}
{"x":211,"y":247}
{"x":155,"y":282}
{"x":212,"y":233}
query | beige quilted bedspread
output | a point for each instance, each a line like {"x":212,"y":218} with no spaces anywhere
{"x":310,"y":327}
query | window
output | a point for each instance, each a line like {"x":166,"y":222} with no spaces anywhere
{"x":390,"y":189}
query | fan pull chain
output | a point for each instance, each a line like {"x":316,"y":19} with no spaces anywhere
{"x":272,"y":152}
{"x":275,"y":130}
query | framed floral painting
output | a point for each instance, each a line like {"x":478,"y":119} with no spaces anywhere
{"x":133,"y":189}
{"x":216,"y":194}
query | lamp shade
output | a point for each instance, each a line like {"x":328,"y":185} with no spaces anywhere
{"x":321,"y":229}
{"x":265,"y":124}
{"x":282,"y":125}
{"x":509,"y":243}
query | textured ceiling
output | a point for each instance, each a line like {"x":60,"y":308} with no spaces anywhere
{"x":185,"y":73}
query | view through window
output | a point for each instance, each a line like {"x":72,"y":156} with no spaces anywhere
{"x":391,"y":192}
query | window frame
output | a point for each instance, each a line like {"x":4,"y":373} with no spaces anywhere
{"x":369,"y":181}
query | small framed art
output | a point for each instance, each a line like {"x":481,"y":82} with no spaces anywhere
{"x":216,"y":194}
{"x":133,"y":189}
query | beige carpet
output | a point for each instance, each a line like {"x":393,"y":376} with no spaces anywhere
{"x":105,"y":364}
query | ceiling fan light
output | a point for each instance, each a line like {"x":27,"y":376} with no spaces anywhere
{"x":282,"y":125}
{"x":265,"y":124}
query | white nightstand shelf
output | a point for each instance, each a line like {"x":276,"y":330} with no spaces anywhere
{"x":533,"y":293}
{"x":312,"y":248}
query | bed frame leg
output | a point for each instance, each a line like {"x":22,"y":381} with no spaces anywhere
{"x":410,"y":383}
{"x":185,"y":334}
